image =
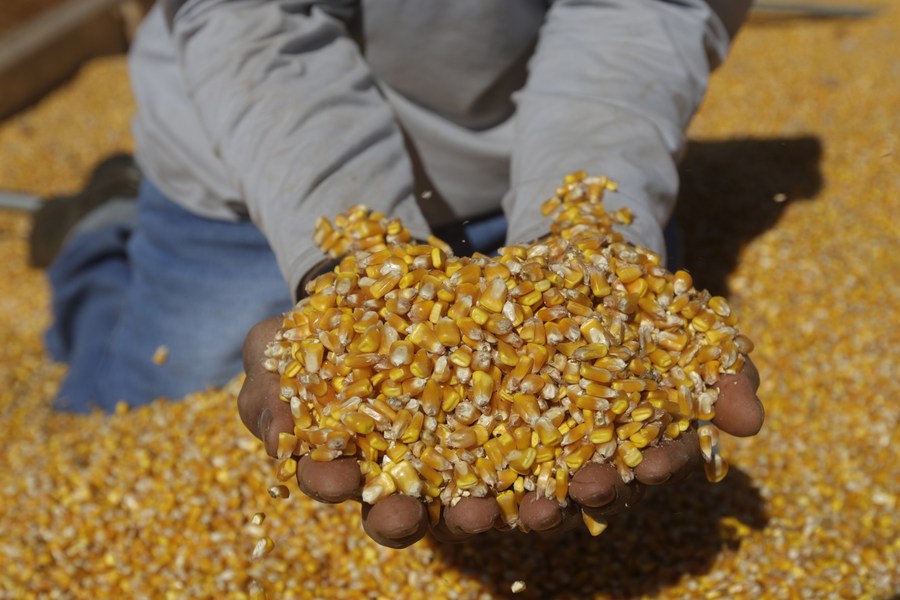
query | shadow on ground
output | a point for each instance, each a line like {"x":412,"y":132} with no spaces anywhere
{"x":732,"y":191}
{"x":676,"y":531}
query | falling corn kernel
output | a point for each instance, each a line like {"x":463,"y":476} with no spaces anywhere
{"x":262,"y":548}
{"x":279,"y":491}
{"x":160,"y":355}
{"x":595,"y":525}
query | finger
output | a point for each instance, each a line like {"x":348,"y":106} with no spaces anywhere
{"x":332,"y":481}
{"x":738,"y":408}
{"x":442,"y":534}
{"x":539,"y":513}
{"x":470,"y":516}
{"x":600,"y":487}
{"x":670,"y":461}
{"x":259,"y":406}
{"x":256,"y":341}
{"x":396,"y":521}
{"x":261,"y":409}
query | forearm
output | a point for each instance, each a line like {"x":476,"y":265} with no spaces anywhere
{"x":290,"y":106}
{"x":611,"y":90}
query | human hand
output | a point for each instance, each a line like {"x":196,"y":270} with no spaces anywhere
{"x":606,"y":283}
{"x":396,"y":521}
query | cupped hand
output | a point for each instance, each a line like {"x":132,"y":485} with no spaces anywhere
{"x":399,"y":521}
{"x":396,"y":521}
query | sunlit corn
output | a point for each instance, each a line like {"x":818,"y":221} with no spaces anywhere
{"x":477,"y":375}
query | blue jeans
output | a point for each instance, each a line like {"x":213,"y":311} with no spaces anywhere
{"x":168,"y":278}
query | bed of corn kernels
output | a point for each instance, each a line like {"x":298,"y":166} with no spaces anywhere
{"x":789,"y":206}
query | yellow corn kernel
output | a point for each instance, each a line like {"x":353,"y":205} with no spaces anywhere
{"x":422,"y":335}
{"x":358,"y":422}
{"x":673,"y":431}
{"x":716,"y":470}
{"x":520,"y":461}
{"x":703,"y":320}
{"x":709,"y":440}
{"x":379,"y":487}
{"x":548,"y":433}
{"x":599,"y":374}
{"x":626,"y":430}
{"x":628,"y":272}
{"x":482,"y":388}
{"x":642,"y":412}
{"x":509,"y":508}
{"x":447,"y":332}
{"x":661,"y":358}
{"x":401,"y":353}
{"x":414,"y":429}
{"x":397,"y":451}
{"x":682,"y":282}
{"x":431,"y":398}
{"x":421,"y":365}
{"x":464,"y":476}
{"x":521,"y":437}
{"x":324,"y":454}
{"x":263,"y":547}
{"x":287,"y":444}
{"x":595,"y":525}
{"x":720,"y":306}
{"x":629,"y":454}
{"x":579,"y":456}
{"x":479,"y":315}
{"x":485,"y":470}
{"x":639,"y":288}
{"x":506,"y":478}
{"x":590,"y":352}
{"x":287,"y":469}
{"x":450,"y":399}
{"x":602,"y":434}
{"x":384,"y":285}
{"x":362,"y":388}
{"x":630,"y":385}
{"x":645,"y":436}
{"x":434,"y":459}
{"x":507,"y":354}
{"x":562,"y":484}
{"x":590,"y":402}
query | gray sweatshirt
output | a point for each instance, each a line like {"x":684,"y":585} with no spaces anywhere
{"x":284,"y":110}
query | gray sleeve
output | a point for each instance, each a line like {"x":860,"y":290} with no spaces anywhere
{"x":291,"y":108}
{"x":612,"y":87}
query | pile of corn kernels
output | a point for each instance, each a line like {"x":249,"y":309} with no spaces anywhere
{"x":794,"y":161}
{"x":451,"y":377}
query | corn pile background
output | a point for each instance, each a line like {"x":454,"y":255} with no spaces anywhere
{"x":156,"y":502}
